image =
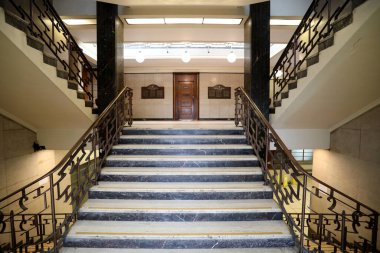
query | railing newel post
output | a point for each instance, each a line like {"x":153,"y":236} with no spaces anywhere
{"x":53,"y":213}
{"x":343,"y":232}
{"x":375,"y":231}
{"x":303,"y":203}
{"x":267,"y":150}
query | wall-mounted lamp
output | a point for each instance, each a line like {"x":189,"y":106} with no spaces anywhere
{"x":37,"y":147}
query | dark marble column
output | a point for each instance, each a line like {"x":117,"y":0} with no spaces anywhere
{"x":110,"y":64}
{"x":256,"y":55}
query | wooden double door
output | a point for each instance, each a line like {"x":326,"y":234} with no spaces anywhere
{"x":186,"y":96}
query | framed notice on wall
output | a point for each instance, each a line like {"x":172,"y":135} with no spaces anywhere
{"x":152,"y":91}
{"x":219,"y":91}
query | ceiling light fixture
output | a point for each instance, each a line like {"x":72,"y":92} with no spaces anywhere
{"x":178,"y":21}
{"x":174,"y":21}
{"x":294,"y":22}
{"x":186,"y":57}
{"x":231,"y":57}
{"x":279,"y":74}
{"x":222,"y":21}
{"x":79,"y":21}
{"x":140,"y":57}
{"x":145,"y":21}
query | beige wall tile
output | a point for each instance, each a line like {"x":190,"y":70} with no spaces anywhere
{"x":218,"y":108}
{"x":370,"y":146}
{"x":2,"y":155}
{"x":24,"y":169}
{"x":346,"y":141}
{"x":151,"y":108}
{"x":356,"y":178}
{"x":3,"y":177}
{"x":360,"y":137}
{"x":163,"y":108}
{"x":18,"y":142}
{"x":11,"y":125}
{"x":371,"y":119}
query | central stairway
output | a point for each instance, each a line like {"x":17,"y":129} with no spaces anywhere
{"x":180,"y":187}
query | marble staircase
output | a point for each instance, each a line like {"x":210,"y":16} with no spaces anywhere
{"x":180,"y":187}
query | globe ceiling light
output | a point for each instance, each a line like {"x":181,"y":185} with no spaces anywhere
{"x":231,"y":57}
{"x":186,"y":57}
{"x":140,"y":57}
{"x":279,"y":74}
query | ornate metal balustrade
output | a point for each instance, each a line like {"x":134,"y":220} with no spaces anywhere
{"x":35,"y":218}
{"x":319,"y":22}
{"x":328,"y":217}
{"x":44,"y":24}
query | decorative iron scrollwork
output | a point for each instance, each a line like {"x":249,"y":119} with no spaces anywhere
{"x":29,"y":216}
{"x":341,"y":214}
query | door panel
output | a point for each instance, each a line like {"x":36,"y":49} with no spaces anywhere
{"x":186,"y":96}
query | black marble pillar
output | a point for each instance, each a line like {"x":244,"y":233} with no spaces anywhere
{"x":110,"y":64}
{"x":256,"y":55}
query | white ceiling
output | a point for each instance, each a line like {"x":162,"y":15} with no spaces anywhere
{"x":178,"y":33}
{"x":183,"y":2}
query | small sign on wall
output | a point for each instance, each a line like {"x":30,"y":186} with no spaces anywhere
{"x":219,"y":91}
{"x":152,"y":91}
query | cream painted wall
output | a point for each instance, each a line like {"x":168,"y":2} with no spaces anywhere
{"x":163,"y":108}
{"x":218,"y":108}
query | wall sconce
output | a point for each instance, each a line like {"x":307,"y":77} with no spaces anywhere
{"x":37,"y":147}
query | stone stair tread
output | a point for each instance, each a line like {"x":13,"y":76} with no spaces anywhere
{"x":179,"y":230}
{"x":182,"y":136}
{"x":231,"y":250}
{"x":181,"y":146}
{"x":181,"y":158}
{"x":104,"y":186}
{"x":183,"y":206}
{"x":181,"y":171}
{"x":206,"y":124}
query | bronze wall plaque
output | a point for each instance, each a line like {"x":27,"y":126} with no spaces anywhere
{"x":219,"y":91}
{"x":152,"y":91}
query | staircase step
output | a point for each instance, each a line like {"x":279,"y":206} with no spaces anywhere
{"x":72,"y":84}
{"x":182,"y":161}
{"x":180,"y":210}
{"x":194,"y":174}
{"x":50,"y":60}
{"x":34,"y":43}
{"x":178,"y":235}
{"x":342,"y":22}
{"x":292,"y":85}
{"x":180,"y":190}
{"x":171,"y":131}
{"x":182,"y":139}
{"x":177,"y":149}
{"x":302,"y":73}
{"x":326,"y":43}
{"x":16,"y":21}
{"x":284,"y":94}
{"x":230,"y":250}
{"x":311,"y":60}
